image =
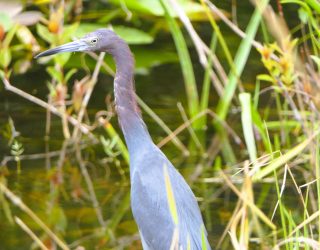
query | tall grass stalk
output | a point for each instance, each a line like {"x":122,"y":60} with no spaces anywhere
{"x":175,"y":140}
{"x":120,"y":144}
{"x":281,"y":208}
{"x":240,"y":60}
{"x":186,"y":65}
{"x":34,"y":237}
{"x":283,"y":159}
{"x":246,"y":118}
{"x":205,"y":93}
{"x":19,"y":203}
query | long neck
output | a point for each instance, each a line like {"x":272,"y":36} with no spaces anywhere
{"x":133,"y":127}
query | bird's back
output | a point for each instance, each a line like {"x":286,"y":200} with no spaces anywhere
{"x":150,"y":206}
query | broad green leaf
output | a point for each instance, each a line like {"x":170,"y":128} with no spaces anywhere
{"x":130,"y":35}
{"x":5,"y":21}
{"x":44,"y":33}
{"x":21,"y":66}
{"x":193,"y":10}
{"x":314,"y":4}
{"x":69,"y":32}
{"x":5,"y":57}
{"x":55,"y":74}
{"x":85,"y":28}
{"x":133,"y":36}
{"x":143,"y":6}
{"x":70,"y":73}
{"x":303,"y":15}
{"x":8,"y":38}
{"x":25,"y":36}
{"x":62,"y":58}
{"x":145,"y":58}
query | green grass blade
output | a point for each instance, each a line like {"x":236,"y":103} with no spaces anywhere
{"x":240,"y":61}
{"x":120,"y":145}
{"x":245,"y":100}
{"x":156,"y":118}
{"x":280,"y":161}
{"x":185,"y":62}
{"x":205,"y":93}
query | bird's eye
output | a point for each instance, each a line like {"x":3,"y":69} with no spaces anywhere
{"x":93,"y":41}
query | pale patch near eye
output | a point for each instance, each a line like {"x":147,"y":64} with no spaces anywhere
{"x":94,"y":40}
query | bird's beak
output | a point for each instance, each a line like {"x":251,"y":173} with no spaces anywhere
{"x":77,"y":45}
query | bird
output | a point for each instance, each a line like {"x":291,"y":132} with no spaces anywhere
{"x":162,"y":203}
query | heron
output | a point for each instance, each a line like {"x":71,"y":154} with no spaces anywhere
{"x":159,"y":229}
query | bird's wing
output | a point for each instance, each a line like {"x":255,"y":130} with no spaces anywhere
{"x":150,"y":203}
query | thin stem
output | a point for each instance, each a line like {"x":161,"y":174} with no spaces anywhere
{"x":33,"y":236}
{"x":19,"y":203}
{"x":45,"y":105}
{"x":89,"y":91}
{"x":89,"y":183}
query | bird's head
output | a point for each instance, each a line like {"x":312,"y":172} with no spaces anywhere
{"x":96,"y":41}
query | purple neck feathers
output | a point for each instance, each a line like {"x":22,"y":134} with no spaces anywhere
{"x":130,"y":120}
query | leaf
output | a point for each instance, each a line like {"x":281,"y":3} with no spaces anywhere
{"x":45,"y":34}
{"x":247,"y":125}
{"x":303,"y":15}
{"x":265,"y":77}
{"x":62,"y":59}
{"x":143,"y":6}
{"x":283,"y":159}
{"x":5,"y":57}
{"x":144,"y":57}
{"x":85,"y":28}
{"x":5,"y":21}
{"x":316,"y":59}
{"x":70,"y":73}
{"x":21,"y":66}
{"x":69,"y":32}
{"x":8,"y":38}
{"x":193,"y":10}
{"x":58,"y":218}
{"x":186,"y":65}
{"x":25,"y":35}
{"x":130,"y":35}
{"x":55,"y":74}
{"x":240,"y":61}
{"x":133,"y":36}
{"x":28,"y":18}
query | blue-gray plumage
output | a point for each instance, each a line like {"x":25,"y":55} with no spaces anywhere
{"x":149,"y":192}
